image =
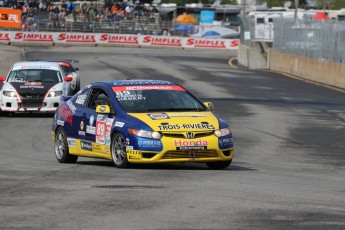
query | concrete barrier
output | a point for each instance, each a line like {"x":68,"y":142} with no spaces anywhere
{"x":8,"y":56}
{"x":251,"y":57}
{"x":320,"y":71}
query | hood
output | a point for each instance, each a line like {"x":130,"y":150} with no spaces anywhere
{"x":32,"y":88}
{"x":179,"y":121}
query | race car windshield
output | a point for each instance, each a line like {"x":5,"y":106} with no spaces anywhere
{"x":150,"y":100}
{"x":34,"y":75}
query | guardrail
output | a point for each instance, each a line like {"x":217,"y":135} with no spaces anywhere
{"x":56,"y":38}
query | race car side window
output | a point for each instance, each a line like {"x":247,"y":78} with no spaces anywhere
{"x":81,"y":99}
{"x":99,"y":97}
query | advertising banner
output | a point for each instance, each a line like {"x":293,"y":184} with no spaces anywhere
{"x":10,"y":18}
{"x":117,"y":40}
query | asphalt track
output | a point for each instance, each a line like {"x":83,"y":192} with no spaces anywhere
{"x":287,"y":173}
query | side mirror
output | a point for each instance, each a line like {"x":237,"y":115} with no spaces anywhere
{"x":2,"y":78}
{"x":76,"y":69}
{"x":104,"y":109}
{"x":209,"y":105}
{"x":68,"y":78}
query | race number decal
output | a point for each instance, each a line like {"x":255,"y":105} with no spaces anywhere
{"x":100,"y":129}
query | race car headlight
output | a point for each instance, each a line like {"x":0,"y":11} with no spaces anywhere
{"x":54,"y":93}
{"x":10,"y":94}
{"x":145,"y":133}
{"x":222,"y":132}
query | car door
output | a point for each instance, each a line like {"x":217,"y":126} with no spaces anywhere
{"x":95,"y":129}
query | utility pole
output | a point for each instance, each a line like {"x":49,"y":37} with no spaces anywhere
{"x":244,"y":7}
{"x":296,"y":9}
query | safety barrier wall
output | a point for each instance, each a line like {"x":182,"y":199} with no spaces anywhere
{"x":52,"y":38}
{"x":326,"y":72}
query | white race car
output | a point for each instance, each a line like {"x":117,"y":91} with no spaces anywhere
{"x":68,"y":69}
{"x":34,"y":87}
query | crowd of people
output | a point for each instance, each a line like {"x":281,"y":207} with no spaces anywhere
{"x":63,"y":15}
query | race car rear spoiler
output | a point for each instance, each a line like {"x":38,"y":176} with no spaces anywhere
{"x":57,"y":60}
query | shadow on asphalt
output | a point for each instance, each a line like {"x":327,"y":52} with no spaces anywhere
{"x":166,"y":166}
{"x":27,"y":115}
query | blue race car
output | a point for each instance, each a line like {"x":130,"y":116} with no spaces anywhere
{"x":140,"y":121}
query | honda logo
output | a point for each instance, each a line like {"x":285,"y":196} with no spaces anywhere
{"x":190,"y":135}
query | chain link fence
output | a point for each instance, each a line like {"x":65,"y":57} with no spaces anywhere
{"x":144,"y":26}
{"x":324,"y":40}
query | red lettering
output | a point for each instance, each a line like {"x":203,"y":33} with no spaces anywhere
{"x":190,"y":42}
{"x":147,"y":39}
{"x":104,"y":37}
{"x":234,"y":43}
{"x":18,"y":36}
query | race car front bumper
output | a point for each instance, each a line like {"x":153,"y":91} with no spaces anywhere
{"x":10,"y":104}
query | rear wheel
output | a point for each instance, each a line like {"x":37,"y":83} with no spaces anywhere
{"x":218,"y":164}
{"x":61,"y":147}
{"x":118,"y":151}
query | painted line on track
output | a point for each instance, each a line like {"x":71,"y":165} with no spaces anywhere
{"x":231,"y":64}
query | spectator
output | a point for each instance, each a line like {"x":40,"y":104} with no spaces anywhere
{"x":62,"y":20}
{"x":42,"y":6}
{"x":56,"y":12}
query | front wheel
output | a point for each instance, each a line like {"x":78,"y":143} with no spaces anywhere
{"x":61,"y":147}
{"x":118,"y":151}
{"x":218,"y":164}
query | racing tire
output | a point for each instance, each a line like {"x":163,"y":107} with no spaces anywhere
{"x":61,"y":147}
{"x":118,"y":151}
{"x":219,"y":164}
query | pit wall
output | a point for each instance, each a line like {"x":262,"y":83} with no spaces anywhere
{"x":251,"y":57}
{"x":61,"y":38}
{"x":325,"y":72}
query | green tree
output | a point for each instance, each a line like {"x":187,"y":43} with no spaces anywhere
{"x":272,"y":3}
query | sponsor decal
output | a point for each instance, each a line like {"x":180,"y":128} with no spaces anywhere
{"x":225,"y":141}
{"x":33,"y":37}
{"x":81,"y":99}
{"x":185,"y":126}
{"x":4,"y":36}
{"x":134,"y":154}
{"x":119,"y":39}
{"x":158,"y":116}
{"x":186,"y":115}
{"x":148,"y":87}
{"x":35,"y":85}
{"x":71,"y":106}
{"x":89,"y":38}
{"x":150,"y":144}
{"x":86,"y":145}
{"x":91,"y":120}
{"x":100,"y":129}
{"x":91,"y":129}
{"x":108,"y":126}
{"x":82,"y":125}
{"x":143,"y":82}
{"x":202,"y":43}
{"x":129,"y":147}
{"x":59,"y":122}
{"x":127,"y":96}
{"x":191,"y":144}
{"x":119,"y":124}
{"x":81,"y":133}
{"x":71,"y":142}
{"x":162,"y":41}
{"x":66,"y":113}
{"x":96,"y":147}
